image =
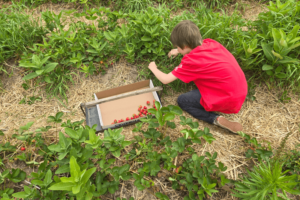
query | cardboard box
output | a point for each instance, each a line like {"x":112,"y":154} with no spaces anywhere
{"x":125,"y":107}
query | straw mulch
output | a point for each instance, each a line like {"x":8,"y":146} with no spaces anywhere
{"x":266,"y":119}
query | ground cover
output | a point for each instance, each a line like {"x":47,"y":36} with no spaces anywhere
{"x":263,"y":120}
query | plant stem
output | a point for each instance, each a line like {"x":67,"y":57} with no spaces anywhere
{"x":56,"y":131}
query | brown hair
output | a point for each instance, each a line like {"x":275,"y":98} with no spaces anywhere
{"x":186,"y":33}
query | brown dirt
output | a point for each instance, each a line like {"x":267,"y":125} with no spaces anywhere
{"x":249,"y":9}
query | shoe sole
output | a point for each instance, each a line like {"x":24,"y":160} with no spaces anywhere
{"x":231,"y":126}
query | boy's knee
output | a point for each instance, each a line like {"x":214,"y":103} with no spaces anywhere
{"x":180,"y":100}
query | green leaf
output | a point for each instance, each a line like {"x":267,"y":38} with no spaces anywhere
{"x":72,"y":133}
{"x":168,"y":117}
{"x":59,"y":115}
{"x":47,"y":79}
{"x":125,"y":143}
{"x":266,"y":67}
{"x":38,"y":182}
{"x":158,"y":115}
{"x":294,"y":46}
{"x":87,"y":175}
{"x":175,"y":109}
{"x":157,"y":105}
{"x":20,"y":195}
{"x":30,"y":76}
{"x":63,"y":169}
{"x":146,"y":38}
{"x":48,"y":178}
{"x":62,"y":186}
{"x":74,"y":169}
{"x":116,"y":153}
{"x":108,"y":36}
{"x":268,"y":51}
{"x":39,"y":72}
{"x":50,"y":67}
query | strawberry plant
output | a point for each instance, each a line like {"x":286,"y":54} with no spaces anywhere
{"x":257,"y":151}
{"x":15,"y":176}
{"x":39,"y":66}
{"x":114,"y":141}
{"x":140,"y":182}
{"x":62,"y":147}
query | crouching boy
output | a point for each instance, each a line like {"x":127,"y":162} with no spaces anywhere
{"x":221,"y":83}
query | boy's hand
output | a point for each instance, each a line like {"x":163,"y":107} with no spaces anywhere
{"x":152,"y":66}
{"x":173,"y":52}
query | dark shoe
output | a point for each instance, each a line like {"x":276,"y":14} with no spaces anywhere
{"x":231,"y":126}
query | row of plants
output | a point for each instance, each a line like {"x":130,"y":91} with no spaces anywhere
{"x":134,"y":5}
{"x":269,"y":49}
{"x":81,"y":165}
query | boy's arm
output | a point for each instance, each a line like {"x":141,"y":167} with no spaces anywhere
{"x":164,"y":78}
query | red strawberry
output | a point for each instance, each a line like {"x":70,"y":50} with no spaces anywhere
{"x":148,"y":103}
{"x":115,"y":121}
{"x":178,"y":169}
{"x":141,"y":106}
{"x":145,"y":107}
{"x":139,"y":109}
{"x":119,"y":121}
{"x":131,"y":118}
{"x":23,"y":149}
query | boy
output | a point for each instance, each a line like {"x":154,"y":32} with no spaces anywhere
{"x":222,"y":86}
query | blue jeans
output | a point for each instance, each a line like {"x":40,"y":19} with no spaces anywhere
{"x":190,"y":102}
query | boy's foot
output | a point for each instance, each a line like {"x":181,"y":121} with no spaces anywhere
{"x":231,"y":126}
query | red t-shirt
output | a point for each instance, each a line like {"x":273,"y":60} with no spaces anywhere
{"x":217,"y":75}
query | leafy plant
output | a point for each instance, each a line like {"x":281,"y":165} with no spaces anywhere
{"x":78,"y":183}
{"x":31,"y":100}
{"x":16,"y":175}
{"x":266,"y":181}
{"x":17,"y":32}
{"x":114,"y":141}
{"x":39,"y":66}
{"x":257,"y":151}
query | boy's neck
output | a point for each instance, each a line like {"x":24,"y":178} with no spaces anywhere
{"x":186,"y":50}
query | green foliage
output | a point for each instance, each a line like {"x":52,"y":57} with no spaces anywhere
{"x":114,"y":141}
{"x":15,"y":176}
{"x":266,"y":181}
{"x":257,"y":151}
{"x":78,"y":183}
{"x":292,"y":161}
{"x":31,"y":100}
{"x":17,"y":32}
